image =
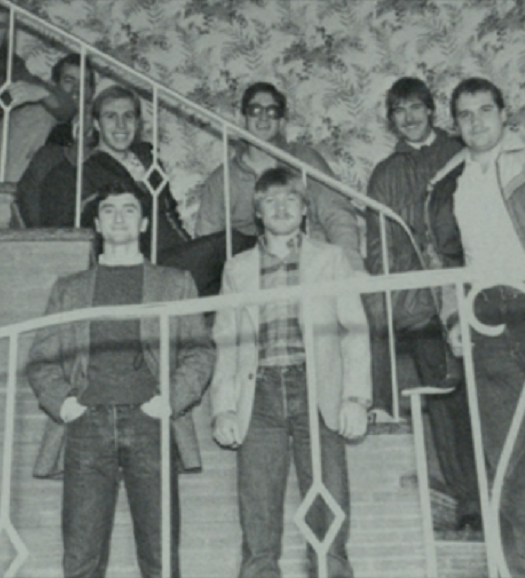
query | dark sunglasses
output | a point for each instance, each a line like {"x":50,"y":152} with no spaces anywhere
{"x":273,"y":111}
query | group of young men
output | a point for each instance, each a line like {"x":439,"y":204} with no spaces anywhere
{"x":99,"y":381}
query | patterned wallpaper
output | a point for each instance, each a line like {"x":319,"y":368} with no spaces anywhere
{"x":335,"y":59}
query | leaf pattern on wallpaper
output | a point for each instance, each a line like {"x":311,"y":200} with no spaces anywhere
{"x":335,"y":59}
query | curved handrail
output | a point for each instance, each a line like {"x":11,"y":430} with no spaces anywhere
{"x":221,"y":121}
{"x":515,"y":424}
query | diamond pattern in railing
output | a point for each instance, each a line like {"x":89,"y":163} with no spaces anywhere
{"x":22,"y":553}
{"x":3,"y":101}
{"x":320,"y":546}
{"x":155,"y":173}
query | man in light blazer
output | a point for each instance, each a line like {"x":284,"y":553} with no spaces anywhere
{"x":259,"y":388}
{"x":99,"y":383}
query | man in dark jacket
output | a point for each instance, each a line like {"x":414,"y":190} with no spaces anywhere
{"x":99,"y":382}
{"x":400,"y":182}
{"x":476,"y":217}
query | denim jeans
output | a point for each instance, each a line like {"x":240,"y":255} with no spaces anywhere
{"x":103,"y":446}
{"x":279,"y":429}
{"x":500,"y":373}
{"x":448,"y":414}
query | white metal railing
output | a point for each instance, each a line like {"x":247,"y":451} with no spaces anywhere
{"x":459,"y":278}
{"x":227,"y":129}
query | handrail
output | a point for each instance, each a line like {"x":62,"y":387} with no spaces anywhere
{"x":359,"y":283}
{"x":225,"y":123}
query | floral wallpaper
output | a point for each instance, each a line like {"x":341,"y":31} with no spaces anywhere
{"x":334,"y":59}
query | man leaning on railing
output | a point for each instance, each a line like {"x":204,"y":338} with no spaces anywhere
{"x":36,"y":106}
{"x":476,"y":217}
{"x":46,"y":191}
{"x":99,"y":383}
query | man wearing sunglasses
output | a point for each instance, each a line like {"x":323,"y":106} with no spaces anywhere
{"x":331,"y":215}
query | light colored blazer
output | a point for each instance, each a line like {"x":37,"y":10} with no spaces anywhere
{"x":59,"y":358}
{"x":342,"y":349}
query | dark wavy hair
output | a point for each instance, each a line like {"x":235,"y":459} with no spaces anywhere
{"x":116,"y":187}
{"x":72,"y":59}
{"x":473,"y":85}
{"x":406,"y":88}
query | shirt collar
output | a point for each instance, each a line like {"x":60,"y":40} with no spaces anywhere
{"x":136,"y":259}
{"x":426,"y":143}
{"x":294,"y":244}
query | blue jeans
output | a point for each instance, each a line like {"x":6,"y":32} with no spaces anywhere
{"x":278,"y":429}
{"x":103,"y":446}
{"x":500,"y":374}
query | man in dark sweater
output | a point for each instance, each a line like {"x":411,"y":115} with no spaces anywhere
{"x":400,"y":182}
{"x":99,"y":383}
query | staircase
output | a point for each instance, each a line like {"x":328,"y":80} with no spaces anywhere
{"x":386,"y":527}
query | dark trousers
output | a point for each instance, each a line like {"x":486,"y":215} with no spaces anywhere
{"x":278,"y":430}
{"x":204,"y":257}
{"x":499,"y":364}
{"x":448,"y":414}
{"x":103,"y":446}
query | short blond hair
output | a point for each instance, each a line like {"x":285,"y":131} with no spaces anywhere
{"x":279,"y":177}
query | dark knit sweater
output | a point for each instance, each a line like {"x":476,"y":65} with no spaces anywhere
{"x":117,"y":371}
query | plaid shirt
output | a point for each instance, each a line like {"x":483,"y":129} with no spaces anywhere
{"x":280,"y":336}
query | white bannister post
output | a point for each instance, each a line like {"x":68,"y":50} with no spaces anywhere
{"x":490,"y":533}
{"x":7,"y":108}
{"x":304,"y":177}
{"x":155,"y":192}
{"x":390,"y":320}
{"x":423,"y":485}
{"x":80,"y":141}
{"x":317,"y":489}
{"x":227,"y":196}
{"x":313,"y":416}
{"x":165,"y":445}
{"x":7,"y":462}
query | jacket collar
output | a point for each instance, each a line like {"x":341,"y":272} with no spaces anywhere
{"x":511,"y":143}
{"x":404,"y":147}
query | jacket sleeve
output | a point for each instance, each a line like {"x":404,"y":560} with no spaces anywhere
{"x":378,"y":191}
{"x":335,"y":218}
{"x":225,"y":335}
{"x":355,"y":340}
{"x":375,"y":302}
{"x":28,"y":188}
{"x":58,"y":103}
{"x":211,"y":216}
{"x":45,"y":371}
{"x":194,"y":357}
